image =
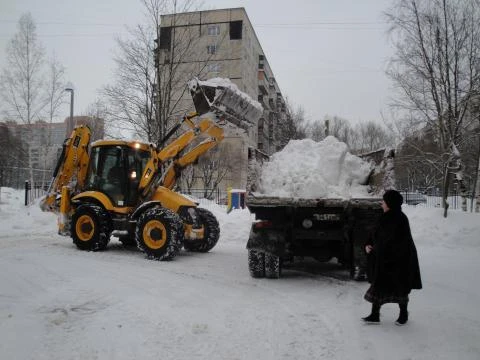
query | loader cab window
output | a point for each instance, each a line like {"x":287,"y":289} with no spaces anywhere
{"x":114,"y":171}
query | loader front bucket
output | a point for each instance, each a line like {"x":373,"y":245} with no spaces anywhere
{"x":226,"y":101}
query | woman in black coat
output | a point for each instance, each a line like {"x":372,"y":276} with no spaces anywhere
{"x":393,"y":269}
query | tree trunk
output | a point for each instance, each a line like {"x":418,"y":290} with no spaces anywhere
{"x":446,"y":188}
{"x":477,"y":182}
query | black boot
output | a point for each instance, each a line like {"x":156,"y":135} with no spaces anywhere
{"x":374,"y":317}
{"x":403,"y":316}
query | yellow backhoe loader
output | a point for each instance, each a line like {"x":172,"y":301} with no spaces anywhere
{"x":125,"y":188}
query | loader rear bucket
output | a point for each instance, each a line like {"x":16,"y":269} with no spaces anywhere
{"x":226,"y":101}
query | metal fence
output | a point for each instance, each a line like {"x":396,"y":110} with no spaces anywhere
{"x":435,"y":200}
{"x":35,"y":191}
{"x":204,"y":197}
{"x":14,"y":177}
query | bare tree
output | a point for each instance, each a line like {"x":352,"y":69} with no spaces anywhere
{"x":149,"y":64}
{"x":316,"y":130}
{"x":436,"y":69}
{"x":189,"y":178}
{"x":97,"y":114}
{"x":12,"y":156}
{"x":21,"y":80}
{"x":370,"y":136}
{"x":340,"y":128}
{"x":214,"y":168}
{"x":131,"y":97}
{"x":294,"y":126}
{"x":54,"y":95}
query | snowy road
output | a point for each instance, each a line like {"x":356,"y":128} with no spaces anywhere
{"x":57,"y":302}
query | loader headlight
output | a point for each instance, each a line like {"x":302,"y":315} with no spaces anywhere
{"x":307,"y":223}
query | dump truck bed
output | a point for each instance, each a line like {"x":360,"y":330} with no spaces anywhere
{"x":257,"y":200}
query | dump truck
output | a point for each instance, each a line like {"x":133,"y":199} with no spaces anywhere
{"x":126,"y":188}
{"x":287,"y":229}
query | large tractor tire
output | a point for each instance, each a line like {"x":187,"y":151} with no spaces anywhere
{"x":256,"y":263}
{"x":91,"y":227}
{"x":273,"y":266}
{"x":211,"y":234}
{"x":159,"y":234}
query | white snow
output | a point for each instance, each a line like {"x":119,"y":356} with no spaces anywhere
{"x":226,"y":83}
{"x":309,"y":169}
{"x":57,"y":302}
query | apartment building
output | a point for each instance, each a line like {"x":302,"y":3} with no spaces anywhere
{"x":222,"y":43}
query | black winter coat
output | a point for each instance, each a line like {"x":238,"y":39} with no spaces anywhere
{"x":393,"y":263}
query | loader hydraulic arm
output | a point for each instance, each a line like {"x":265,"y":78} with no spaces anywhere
{"x":173,"y":157}
{"x":180,"y":161}
{"x":216,"y":102}
{"x":71,"y":168}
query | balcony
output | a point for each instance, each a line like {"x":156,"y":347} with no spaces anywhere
{"x":262,"y":82}
{"x":262,"y":101}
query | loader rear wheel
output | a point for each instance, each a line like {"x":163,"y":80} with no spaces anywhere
{"x":211,"y":233}
{"x":91,"y":227}
{"x":159,"y":234}
{"x":256,"y":263}
{"x":273,"y":266}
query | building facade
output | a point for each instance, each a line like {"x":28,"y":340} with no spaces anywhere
{"x":222,"y":43}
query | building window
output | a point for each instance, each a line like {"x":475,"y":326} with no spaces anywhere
{"x":165,"y":37}
{"x":214,"y":68}
{"x":213,"y":30}
{"x":212,"y":49}
{"x":236,"y":30}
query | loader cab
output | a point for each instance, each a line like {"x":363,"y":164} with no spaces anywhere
{"x":115,"y":170}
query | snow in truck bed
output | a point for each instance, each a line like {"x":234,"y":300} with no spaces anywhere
{"x":306,"y":169}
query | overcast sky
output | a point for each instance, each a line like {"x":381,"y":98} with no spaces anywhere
{"x":327,"y":56}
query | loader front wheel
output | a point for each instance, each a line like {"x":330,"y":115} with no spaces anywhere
{"x":256,"y":263}
{"x":159,"y":234}
{"x":211,"y":233}
{"x":91,"y":227}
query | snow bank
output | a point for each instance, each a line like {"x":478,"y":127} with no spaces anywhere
{"x":21,"y":220}
{"x":310,"y":169}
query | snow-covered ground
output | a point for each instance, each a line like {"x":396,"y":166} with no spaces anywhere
{"x":57,"y":302}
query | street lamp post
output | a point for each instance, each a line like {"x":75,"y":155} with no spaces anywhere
{"x":70,"y":124}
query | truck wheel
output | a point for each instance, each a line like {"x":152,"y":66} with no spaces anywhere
{"x":211,"y":235}
{"x":272,"y":266}
{"x":256,"y":263}
{"x":159,"y":234}
{"x":91,"y":227}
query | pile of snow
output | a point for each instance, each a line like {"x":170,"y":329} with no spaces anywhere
{"x":23,"y":220}
{"x":310,"y":169}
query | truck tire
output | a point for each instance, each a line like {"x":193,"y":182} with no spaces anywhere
{"x":91,"y":227}
{"x":159,"y":234}
{"x":272,"y":266}
{"x":256,"y":263}
{"x":212,"y":233}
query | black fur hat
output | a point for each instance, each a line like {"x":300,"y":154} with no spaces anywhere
{"x":393,"y":199}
